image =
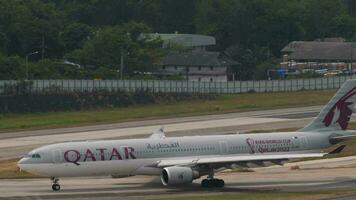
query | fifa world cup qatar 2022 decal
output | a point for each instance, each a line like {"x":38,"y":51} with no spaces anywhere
{"x":99,"y":154}
{"x":345,"y":111}
{"x":268,"y":145}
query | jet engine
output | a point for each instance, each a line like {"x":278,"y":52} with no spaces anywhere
{"x":178,"y":175}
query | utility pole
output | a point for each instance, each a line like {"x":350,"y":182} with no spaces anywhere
{"x":43,"y":47}
{"x":27,"y":55}
{"x":121,"y":63}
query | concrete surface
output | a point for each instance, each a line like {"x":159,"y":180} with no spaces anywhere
{"x":314,"y":175}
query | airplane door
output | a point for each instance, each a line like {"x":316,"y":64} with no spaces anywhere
{"x":223,"y":147}
{"x":56,"y":156}
{"x":303,"y":142}
{"x":128,"y":166}
{"x":122,"y":152}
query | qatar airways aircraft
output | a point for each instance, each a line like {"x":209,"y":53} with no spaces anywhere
{"x":180,"y":160}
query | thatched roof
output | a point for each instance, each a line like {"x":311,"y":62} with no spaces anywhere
{"x":201,"y":58}
{"x":321,"y":51}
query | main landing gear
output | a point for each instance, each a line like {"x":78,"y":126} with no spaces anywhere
{"x":212,"y":182}
{"x":55,"y":185}
{"x":209,"y":183}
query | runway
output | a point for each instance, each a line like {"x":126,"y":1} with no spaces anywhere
{"x":17,"y":144}
{"x":144,"y":187}
{"x":314,"y":175}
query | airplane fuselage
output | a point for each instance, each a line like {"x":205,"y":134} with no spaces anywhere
{"x":135,"y":156}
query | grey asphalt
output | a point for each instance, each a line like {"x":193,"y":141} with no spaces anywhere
{"x":142,"y":187}
{"x":145,"y":187}
{"x":17,"y":144}
{"x":289,"y":113}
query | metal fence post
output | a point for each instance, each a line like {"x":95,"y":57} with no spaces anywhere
{"x":240,"y":83}
{"x":297,"y":85}
{"x":314,"y":84}
{"x":327,"y":83}
{"x":153,"y":86}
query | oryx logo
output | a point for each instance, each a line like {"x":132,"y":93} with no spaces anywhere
{"x":341,"y":112}
{"x":251,"y":143}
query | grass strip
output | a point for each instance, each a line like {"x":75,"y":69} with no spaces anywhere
{"x":8,"y":169}
{"x":223,"y":104}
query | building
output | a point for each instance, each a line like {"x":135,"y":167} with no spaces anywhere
{"x":188,"y":57}
{"x":204,"y":66}
{"x":330,"y":54}
{"x":188,"y":41}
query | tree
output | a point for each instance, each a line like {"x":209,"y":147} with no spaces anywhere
{"x":12,"y":67}
{"x":250,"y":61}
{"x":30,"y":25}
{"x":104,"y":50}
{"x":75,"y":35}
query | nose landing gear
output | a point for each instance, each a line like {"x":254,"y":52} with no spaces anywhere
{"x":55,"y":185}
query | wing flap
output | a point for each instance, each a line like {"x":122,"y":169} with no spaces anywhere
{"x":179,"y":162}
{"x":251,"y":158}
{"x":234,"y":159}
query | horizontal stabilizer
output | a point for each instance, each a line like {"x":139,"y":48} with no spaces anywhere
{"x":343,"y":137}
{"x":338,"y":150}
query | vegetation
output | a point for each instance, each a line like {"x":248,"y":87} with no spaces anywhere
{"x":8,"y":169}
{"x":94,"y":34}
{"x":22,"y":97}
{"x":222,"y":104}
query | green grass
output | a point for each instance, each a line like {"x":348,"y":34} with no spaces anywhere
{"x":8,"y":169}
{"x":223,"y":104}
{"x":273,"y":195}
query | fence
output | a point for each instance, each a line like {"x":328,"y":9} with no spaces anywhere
{"x":230,"y":87}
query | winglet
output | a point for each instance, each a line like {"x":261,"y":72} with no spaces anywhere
{"x":158,"y":134}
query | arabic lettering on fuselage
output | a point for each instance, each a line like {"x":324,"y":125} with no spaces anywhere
{"x":159,"y":146}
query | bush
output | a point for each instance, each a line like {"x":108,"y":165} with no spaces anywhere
{"x":22,"y":98}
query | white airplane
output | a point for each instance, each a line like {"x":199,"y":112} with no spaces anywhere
{"x":180,"y":160}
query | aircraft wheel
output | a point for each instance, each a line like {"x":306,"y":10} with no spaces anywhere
{"x":56,"y":187}
{"x":206,"y":183}
{"x":218,"y":183}
{"x":209,"y":183}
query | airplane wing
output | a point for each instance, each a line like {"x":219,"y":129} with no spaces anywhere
{"x":234,"y":159}
{"x":158,"y":134}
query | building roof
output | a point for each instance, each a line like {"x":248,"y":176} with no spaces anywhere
{"x":201,"y":58}
{"x":315,"y":50}
{"x":185,"y":40}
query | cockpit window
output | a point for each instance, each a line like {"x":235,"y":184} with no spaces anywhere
{"x":36,"y":155}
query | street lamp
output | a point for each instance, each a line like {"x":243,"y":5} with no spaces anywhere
{"x":122,"y":52}
{"x":27,"y":55}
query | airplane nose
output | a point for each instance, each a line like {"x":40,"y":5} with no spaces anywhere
{"x":21,"y":162}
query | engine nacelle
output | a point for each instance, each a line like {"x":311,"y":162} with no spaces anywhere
{"x":178,"y":175}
